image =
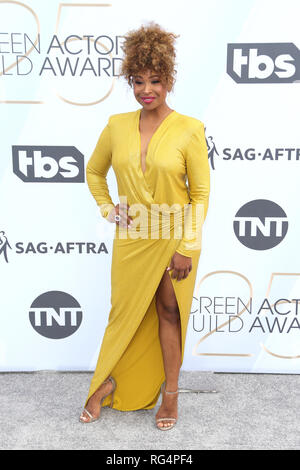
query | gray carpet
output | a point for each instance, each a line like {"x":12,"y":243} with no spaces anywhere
{"x":40,"y":410}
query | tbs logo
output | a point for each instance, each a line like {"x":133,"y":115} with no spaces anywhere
{"x":48,"y":164}
{"x":263,"y":62}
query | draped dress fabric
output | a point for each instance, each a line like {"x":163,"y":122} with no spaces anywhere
{"x":177,"y":175}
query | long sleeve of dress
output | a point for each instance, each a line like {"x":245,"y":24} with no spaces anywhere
{"x":96,"y":172}
{"x":198,"y":174}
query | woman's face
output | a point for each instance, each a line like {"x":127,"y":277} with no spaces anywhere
{"x":149,"y":89}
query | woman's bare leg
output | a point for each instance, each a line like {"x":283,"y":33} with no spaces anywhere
{"x":170,"y":340}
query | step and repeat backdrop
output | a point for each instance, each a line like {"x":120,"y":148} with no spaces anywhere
{"x":238,"y":71}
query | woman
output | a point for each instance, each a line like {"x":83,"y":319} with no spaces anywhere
{"x":154,"y":151}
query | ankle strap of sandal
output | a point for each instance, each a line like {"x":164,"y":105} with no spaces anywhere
{"x":169,"y":393}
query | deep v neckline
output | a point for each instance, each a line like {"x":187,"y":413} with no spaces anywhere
{"x":155,"y":133}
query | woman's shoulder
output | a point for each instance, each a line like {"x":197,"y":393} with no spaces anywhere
{"x":189,"y":121}
{"x":119,"y":117}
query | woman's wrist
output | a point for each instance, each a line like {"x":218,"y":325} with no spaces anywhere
{"x":111,"y":215}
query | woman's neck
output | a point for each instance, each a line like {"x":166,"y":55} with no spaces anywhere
{"x":157,"y":113}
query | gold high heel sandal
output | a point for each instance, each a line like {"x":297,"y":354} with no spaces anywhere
{"x":92,"y":419}
{"x":171,"y":425}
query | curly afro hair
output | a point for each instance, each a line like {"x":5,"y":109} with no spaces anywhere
{"x":149,"y":48}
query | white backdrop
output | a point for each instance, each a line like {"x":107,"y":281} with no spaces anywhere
{"x":238,"y":72}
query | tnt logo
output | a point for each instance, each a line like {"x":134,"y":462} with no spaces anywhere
{"x":260,"y":224}
{"x":263,"y":62}
{"x":55,"y":315}
{"x":48,"y":164}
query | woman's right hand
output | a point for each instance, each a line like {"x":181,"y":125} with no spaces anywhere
{"x":120,"y":209}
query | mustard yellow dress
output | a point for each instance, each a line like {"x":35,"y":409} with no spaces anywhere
{"x":177,"y":176}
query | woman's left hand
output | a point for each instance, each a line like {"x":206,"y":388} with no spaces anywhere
{"x":181,"y":266}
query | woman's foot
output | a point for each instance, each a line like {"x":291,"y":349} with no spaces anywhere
{"x":168,"y":409}
{"x":93,"y":405}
